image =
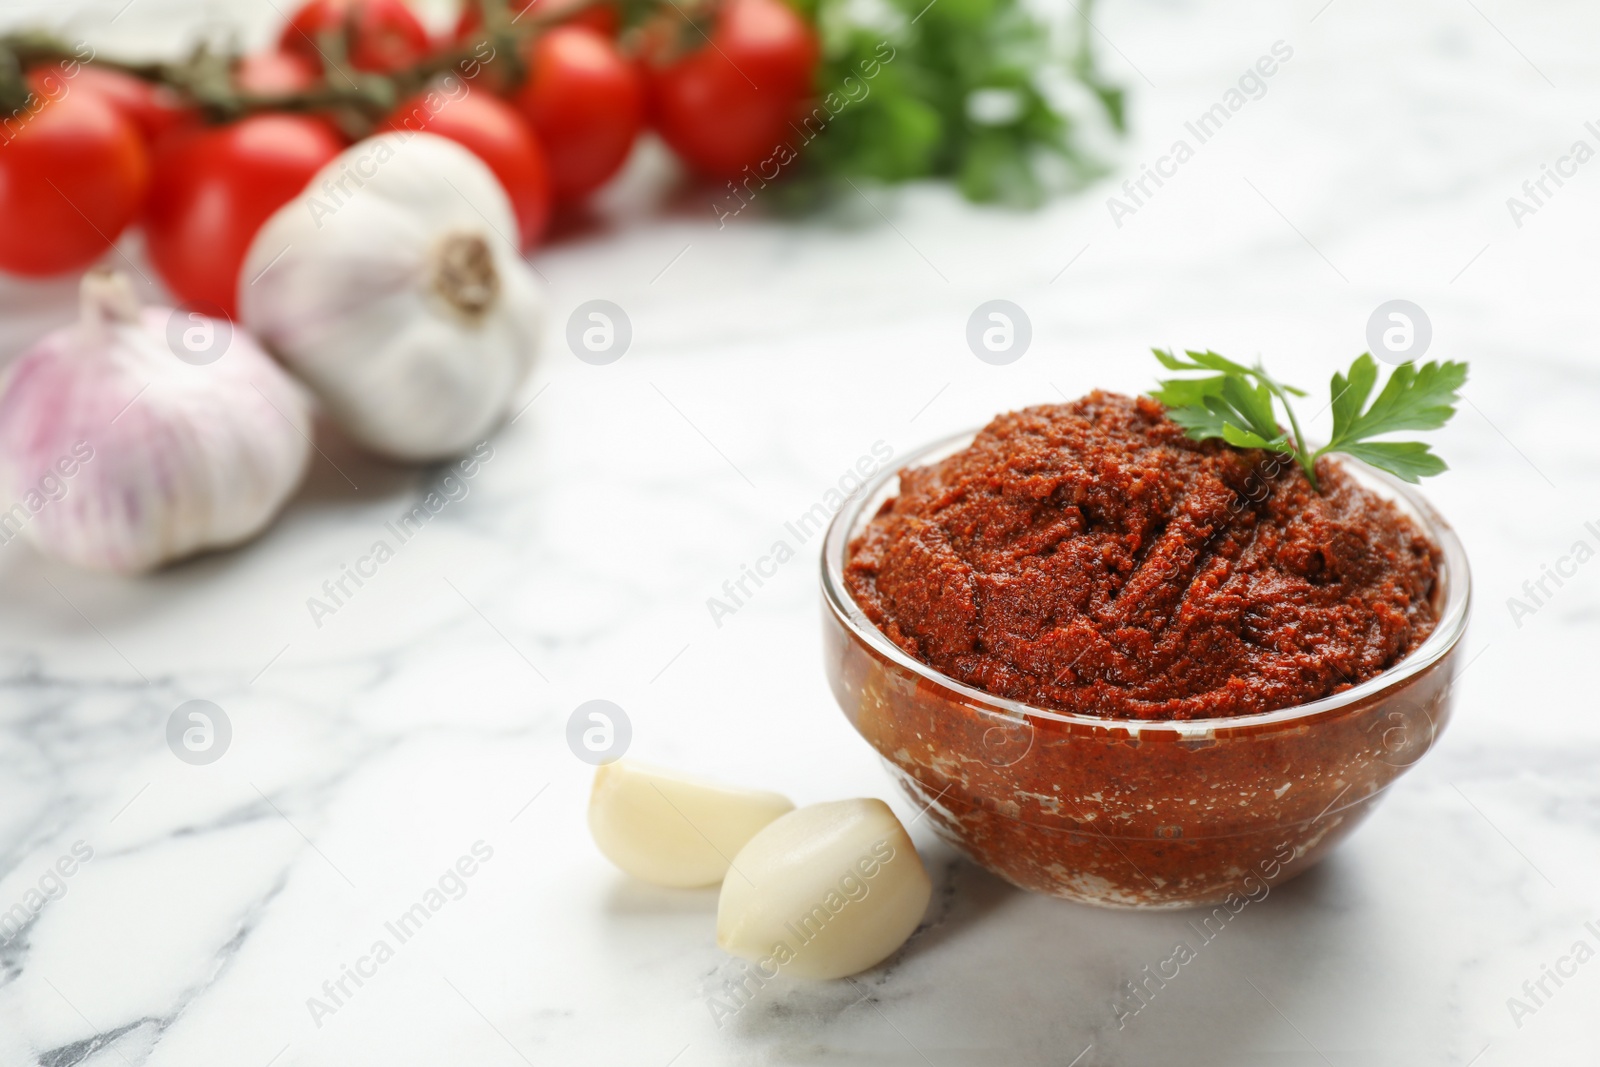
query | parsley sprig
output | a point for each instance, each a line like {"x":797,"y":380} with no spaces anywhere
{"x":901,"y":78}
{"x":1236,"y":403}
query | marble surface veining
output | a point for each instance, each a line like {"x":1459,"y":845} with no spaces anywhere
{"x":424,"y":720}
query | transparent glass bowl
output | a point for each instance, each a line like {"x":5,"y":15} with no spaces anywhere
{"x":1143,"y":814}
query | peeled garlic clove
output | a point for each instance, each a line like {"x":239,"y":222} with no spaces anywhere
{"x":117,"y":454}
{"x":392,"y":286}
{"x":672,"y":829}
{"x":824,"y":892}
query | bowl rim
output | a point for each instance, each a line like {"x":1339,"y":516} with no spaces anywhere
{"x":1455,"y":578}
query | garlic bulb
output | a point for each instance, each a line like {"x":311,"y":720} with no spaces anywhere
{"x":392,"y":286}
{"x":138,"y":436}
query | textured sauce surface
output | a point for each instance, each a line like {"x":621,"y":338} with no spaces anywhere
{"x":1090,"y":558}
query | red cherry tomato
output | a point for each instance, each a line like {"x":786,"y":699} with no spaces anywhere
{"x":154,"y":109}
{"x":603,"y":19}
{"x":73,"y":172}
{"x":270,"y":73}
{"x":213,"y":188}
{"x":586,"y":104}
{"x":728,"y":105}
{"x":494,"y":131}
{"x":386,"y":36}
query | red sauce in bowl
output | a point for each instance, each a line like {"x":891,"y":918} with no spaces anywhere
{"x":1129,"y":669}
{"x":1090,"y":558}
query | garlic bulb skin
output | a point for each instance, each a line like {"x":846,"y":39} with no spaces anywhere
{"x":392,"y":288}
{"x":117,"y":455}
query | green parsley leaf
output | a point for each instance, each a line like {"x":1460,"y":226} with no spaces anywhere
{"x":1254,"y":408}
{"x":1192,"y":360}
{"x":1410,"y":461}
{"x":966,"y":90}
{"x":1200,"y":420}
{"x":1187,"y":392}
{"x":1415,"y":398}
{"x":1246,"y":439}
{"x":1237,"y":404}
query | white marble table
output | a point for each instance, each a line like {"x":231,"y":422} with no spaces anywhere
{"x":427,"y":716}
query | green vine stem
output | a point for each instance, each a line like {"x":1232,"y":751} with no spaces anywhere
{"x":205,"y":77}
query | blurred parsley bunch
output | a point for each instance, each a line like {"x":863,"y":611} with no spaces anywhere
{"x":958,"y":89}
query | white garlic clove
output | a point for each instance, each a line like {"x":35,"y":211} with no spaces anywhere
{"x":826,"y":891}
{"x":673,"y":829}
{"x":117,"y":453}
{"x":391,"y":287}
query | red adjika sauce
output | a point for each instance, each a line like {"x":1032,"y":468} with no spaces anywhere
{"x":1091,"y":558}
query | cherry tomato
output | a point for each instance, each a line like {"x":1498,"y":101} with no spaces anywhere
{"x":494,"y":131}
{"x":73,"y":172}
{"x":271,"y":73}
{"x":155,"y":109}
{"x":386,"y":36}
{"x":586,"y":104}
{"x":603,"y":19}
{"x":727,"y":105}
{"x":212,"y":190}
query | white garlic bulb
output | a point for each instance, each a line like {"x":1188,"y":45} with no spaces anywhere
{"x":392,"y":287}
{"x":141,"y":435}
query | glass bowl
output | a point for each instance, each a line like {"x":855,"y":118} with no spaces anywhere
{"x":1138,"y":814}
